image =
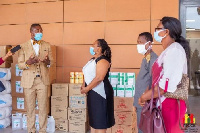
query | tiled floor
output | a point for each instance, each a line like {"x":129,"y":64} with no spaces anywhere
{"x":194,"y":103}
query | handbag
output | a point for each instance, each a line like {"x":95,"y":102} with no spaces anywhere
{"x":181,"y":91}
{"x":151,"y":120}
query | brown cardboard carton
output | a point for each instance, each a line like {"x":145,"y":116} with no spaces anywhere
{"x":122,"y":129}
{"x":123,"y":118}
{"x":123,"y":103}
{"x":62,"y":124}
{"x":60,"y":89}
{"x":75,"y":89}
{"x":77,"y":101}
{"x":59,"y":101}
{"x":75,"y":114}
{"x":77,"y":127}
{"x":19,"y":104}
{"x":59,"y":112}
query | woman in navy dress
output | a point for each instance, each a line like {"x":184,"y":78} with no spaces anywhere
{"x":100,"y":97}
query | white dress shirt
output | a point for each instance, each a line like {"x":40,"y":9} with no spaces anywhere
{"x":36,"y":47}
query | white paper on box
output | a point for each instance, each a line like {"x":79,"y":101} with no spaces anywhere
{"x":115,"y":90}
{"x":77,"y":101}
{"x":113,"y":78}
{"x":129,"y":90}
{"x":120,"y":90}
{"x":18,"y":71}
{"x":20,"y":103}
{"x":19,"y":89}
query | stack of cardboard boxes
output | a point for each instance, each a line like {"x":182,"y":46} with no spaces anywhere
{"x":77,"y":111}
{"x":125,"y":114}
{"x":59,"y":105}
{"x":70,"y":117}
{"x":18,"y":98}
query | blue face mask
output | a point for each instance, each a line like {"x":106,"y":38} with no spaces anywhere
{"x":157,"y":37}
{"x":38,"y":36}
{"x":92,"y":51}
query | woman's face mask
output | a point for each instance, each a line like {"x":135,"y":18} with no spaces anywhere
{"x":92,"y":51}
{"x":141,"y":48}
{"x":157,"y":37}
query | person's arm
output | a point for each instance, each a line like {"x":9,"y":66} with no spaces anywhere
{"x":101,"y":71}
{"x":21,"y":60}
{"x":48,"y":59}
{"x":6,"y":57}
{"x":147,"y":95}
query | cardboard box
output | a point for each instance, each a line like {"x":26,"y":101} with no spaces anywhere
{"x":59,"y":112}
{"x":77,"y":101}
{"x":75,"y":114}
{"x":62,"y":124}
{"x":123,"y":103}
{"x":75,"y":89}
{"x":124,"y":118}
{"x":19,"y":104}
{"x":60,"y":89}
{"x":77,"y":127}
{"x":59,"y":101}
{"x":122,"y":129}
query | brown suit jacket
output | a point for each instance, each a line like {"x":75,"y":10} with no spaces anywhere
{"x":29,"y":73}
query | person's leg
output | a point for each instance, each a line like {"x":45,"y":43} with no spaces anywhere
{"x":100,"y":130}
{"x":42,"y":104}
{"x":30,"y":104}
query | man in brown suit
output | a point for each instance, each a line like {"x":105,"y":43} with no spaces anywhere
{"x":35,"y":58}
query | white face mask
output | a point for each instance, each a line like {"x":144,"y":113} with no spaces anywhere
{"x":141,"y":48}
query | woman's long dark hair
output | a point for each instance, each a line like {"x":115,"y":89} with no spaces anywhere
{"x":175,"y":31}
{"x":106,"y":51}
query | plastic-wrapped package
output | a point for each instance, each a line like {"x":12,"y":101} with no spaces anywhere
{"x":5,"y":73}
{"x":5,"y":100}
{"x":5,"y":87}
{"x":5,"y":112}
{"x":5,"y":122}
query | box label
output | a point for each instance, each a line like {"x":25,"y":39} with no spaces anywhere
{"x":20,"y":103}
{"x":19,"y":89}
{"x":77,"y":102}
{"x":18,"y":71}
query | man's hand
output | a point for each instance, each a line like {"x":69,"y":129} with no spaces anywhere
{"x":32,"y":60}
{"x":141,"y":102}
{"x":46,"y":60}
